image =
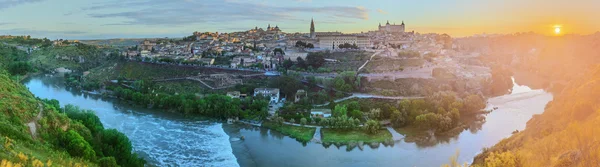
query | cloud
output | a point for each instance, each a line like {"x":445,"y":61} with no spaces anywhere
{"x":24,"y":31}
{"x":6,"y":23}
{"x":306,"y":1}
{"x":382,"y":11}
{"x":12,"y":3}
{"x":188,"y":12}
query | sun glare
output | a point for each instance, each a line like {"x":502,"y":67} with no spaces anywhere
{"x":556,"y":30}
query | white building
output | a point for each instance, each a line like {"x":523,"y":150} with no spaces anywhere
{"x":273,"y":93}
{"x":333,"y":41}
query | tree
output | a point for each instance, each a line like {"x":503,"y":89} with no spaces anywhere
{"x":278,"y":50}
{"x":300,"y":44}
{"x":340,"y":110}
{"x":353,"y":106}
{"x":301,"y":63}
{"x":292,"y":120}
{"x":77,"y":146}
{"x":315,"y":60}
{"x":375,"y":113}
{"x":287,"y":64}
{"x":279,"y":120}
{"x":310,"y":45}
{"x":356,"y":114}
{"x":397,"y":119}
{"x":287,"y":84}
{"x":107,"y":162}
{"x":303,"y":121}
{"x":473,"y":103}
{"x":372,"y":126}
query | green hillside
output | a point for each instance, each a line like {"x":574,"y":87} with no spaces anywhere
{"x":36,"y":132}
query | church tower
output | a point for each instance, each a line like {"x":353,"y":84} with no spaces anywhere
{"x":312,"y":29}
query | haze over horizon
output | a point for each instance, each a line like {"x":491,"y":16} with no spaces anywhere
{"x":91,"y":19}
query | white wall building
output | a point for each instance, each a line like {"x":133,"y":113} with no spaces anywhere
{"x":333,"y":41}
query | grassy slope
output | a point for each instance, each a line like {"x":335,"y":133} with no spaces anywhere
{"x":566,"y":134}
{"x":17,"y":107}
{"x":300,"y":133}
{"x":347,"y":136}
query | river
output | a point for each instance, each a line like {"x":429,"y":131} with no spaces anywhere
{"x":167,"y":139}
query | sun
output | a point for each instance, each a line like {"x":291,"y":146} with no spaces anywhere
{"x":557,"y":30}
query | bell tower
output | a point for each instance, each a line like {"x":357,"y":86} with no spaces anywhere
{"x":312,"y":29}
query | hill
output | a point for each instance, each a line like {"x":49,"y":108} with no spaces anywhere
{"x":38,"y":132}
{"x":566,"y":134}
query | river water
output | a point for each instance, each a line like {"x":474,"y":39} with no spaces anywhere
{"x":167,"y":139}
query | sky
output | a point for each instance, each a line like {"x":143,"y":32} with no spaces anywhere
{"x":104,"y":19}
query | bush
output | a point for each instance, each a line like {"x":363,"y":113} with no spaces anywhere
{"x":108,"y":162}
{"x":372,"y":126}
{"x":77,"y":146}
{"x":303,"y":121}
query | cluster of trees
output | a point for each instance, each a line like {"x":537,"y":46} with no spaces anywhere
{"x":346,"y":82}
{"x":27,"y":40}
{"x":213,"y":105}
{"x":19,"y":68}
{"x":313,"y":61}
{"x":501,"y":81}
{"x":87,"y":138}
{"x":348,"y":46}
{"x":14,"y":60}
{"x":304,"y":45}
{"x":440,"y":112}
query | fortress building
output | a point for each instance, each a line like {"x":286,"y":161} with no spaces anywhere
{"x":389,"y":28}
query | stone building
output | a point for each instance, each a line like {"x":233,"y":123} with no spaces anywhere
{"x":392,"y":28}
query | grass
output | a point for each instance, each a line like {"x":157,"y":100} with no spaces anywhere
{"x":303,"y":134}
{"x":347,"y":136}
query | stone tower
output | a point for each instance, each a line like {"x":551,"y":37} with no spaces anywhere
{"x":312,"y":29}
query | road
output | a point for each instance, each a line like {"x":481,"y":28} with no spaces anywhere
{"x":33,"y":124}
{"x":367,"y":62}
{"x":371,"y":96}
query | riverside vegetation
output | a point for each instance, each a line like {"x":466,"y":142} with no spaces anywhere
{"x":65,"y":136}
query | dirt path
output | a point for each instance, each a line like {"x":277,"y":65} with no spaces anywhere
{"x":33,"y":124}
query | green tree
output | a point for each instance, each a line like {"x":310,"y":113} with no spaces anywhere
{"x":107,"y":162}
{"x":356,"y":114}
{"x":473,"y":104}
{"x":77,"y":146}
{"x":301,"y":63}
{"x":287,"y":64}
{"x":315,"y":60}
{"x":397,"y":119}
{"x":303,"y":121}
{"x":340,"y":110}
{"x":372,"y":126}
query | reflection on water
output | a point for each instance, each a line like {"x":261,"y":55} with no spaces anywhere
{"x":273,"y":149}
{"x":168,"y":139}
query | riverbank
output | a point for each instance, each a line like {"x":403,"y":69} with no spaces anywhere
{"x":342,"y":136}
{"x":302,"y":134}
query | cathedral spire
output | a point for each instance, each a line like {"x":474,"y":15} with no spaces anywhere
{"x":312,"y":28}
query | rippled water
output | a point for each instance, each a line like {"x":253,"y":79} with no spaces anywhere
{"x":162,"y":139}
